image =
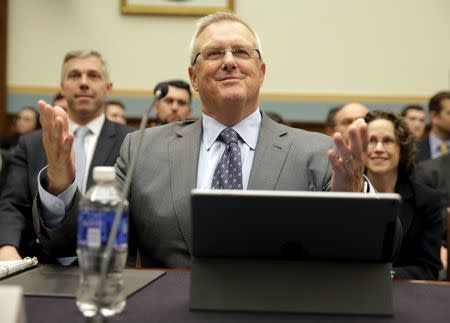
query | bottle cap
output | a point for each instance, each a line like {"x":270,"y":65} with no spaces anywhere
{"x":104,"y":174}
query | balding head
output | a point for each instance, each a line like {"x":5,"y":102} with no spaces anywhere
{"x":346,"y":115}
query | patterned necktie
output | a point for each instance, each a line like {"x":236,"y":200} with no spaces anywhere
{"x":443,"y":149}
{"x":228,"y":174}
{"x":80,"y":155}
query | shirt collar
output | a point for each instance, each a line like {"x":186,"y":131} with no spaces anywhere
{"x":248,"y":129}
{"x":95,"y":125}
{"x":435,"y":142}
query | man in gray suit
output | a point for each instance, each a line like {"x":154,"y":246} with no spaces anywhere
{"x":227,"y":70}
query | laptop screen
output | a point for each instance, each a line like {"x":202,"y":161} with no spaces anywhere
{"x":299,"y":225}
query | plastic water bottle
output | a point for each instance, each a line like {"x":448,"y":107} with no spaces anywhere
{"x":96,"y":215}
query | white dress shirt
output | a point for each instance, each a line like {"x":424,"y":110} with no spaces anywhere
{"x":211,"y":149}
{"x":435,"y":142}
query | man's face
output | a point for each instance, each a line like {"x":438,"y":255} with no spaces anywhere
{"x":441,"y":121}
{"x":415,"y":120}
{"x":85,"y":87}
{"x":229,"y":82}
{"x":175,"y":106}
{"x":347,"y":115}
{"x":115,"y":113}
{"x":26,"y":121}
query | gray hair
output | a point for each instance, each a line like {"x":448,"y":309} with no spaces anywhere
{"x":84,"y":53}
{"x":216,"y":17}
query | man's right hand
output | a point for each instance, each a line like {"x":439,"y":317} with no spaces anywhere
{"x":8,"y":252}
{"x":58,"y":147}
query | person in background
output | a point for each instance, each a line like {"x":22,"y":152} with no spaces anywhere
{"x":414,"y":116}
{"x":437,"y":142}
{"x":435,"y":173}
{"x":115,"y":111}
{"x":85,"y":84}
{"x":26,"y":121}
{"x":176,"y":105}
{"x":60,"y":101}
{"x":330,"y":122}
{"x":389,"y":164}
{"x":346,"y":115}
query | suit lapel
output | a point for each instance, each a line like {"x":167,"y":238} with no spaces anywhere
{"x":444,"y":169}
{"x":271,"y":151}
{"x":183,"y":162}
{"x":103,"y":148}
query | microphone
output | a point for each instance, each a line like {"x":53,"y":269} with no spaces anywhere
{"x":160,"y":92}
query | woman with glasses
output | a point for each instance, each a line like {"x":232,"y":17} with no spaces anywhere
{"x":389,"y":164}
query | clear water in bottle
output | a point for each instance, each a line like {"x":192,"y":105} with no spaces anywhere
{"x":96,"y":215}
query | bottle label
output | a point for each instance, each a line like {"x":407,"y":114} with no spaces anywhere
{"x":94,"y":229}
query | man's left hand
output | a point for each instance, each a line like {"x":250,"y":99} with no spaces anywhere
{"x":347,"y":160}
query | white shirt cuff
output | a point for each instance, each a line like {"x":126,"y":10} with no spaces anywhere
{"x":54,"y":207}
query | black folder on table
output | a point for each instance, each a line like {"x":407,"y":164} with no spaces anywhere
{"x":46,"y":280}
{"x":285,"y":251}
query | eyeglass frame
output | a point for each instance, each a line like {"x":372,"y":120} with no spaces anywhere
{"x":385,"y":142}
{"x":223,"y":52}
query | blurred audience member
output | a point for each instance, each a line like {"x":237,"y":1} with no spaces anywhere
{"x":176,"y":105}
{"x":435,"y":173}
{"x":3,"y":167}
{"x":26,"y":121}
{"x":330,"y":123}
{"x":60,"y":101}
{"x":389,"y":164}
{"x":115,"y":111}
{"x":414,"y":116}
{"x":345,"y":116}
{"x":438,"y":141}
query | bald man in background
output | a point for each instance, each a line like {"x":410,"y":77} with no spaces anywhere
{"x":346,"y":115}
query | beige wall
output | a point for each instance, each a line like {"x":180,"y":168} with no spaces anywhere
{"x":381,"y":47}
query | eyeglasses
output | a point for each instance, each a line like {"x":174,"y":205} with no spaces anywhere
{"x":386,"y":142}
{"x":215,"y":54}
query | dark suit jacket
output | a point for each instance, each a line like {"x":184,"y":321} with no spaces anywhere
{"x":16,"y":224}
{"x":166,"y":172}
{"x":419,"y":256}
{"x":435,"y":173}
{"x":423,"y":150}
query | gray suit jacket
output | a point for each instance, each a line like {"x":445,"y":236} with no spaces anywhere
{"x":166,"y":172}
{"x":435,"y":173}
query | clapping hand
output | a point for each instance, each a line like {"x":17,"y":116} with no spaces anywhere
{"x":347,"y":160}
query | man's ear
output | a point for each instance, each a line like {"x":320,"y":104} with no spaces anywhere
{"x":109,"y":87}
{"x":193,"y":77}
{"x":433,"y":115}
{"x":263,"y":73}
